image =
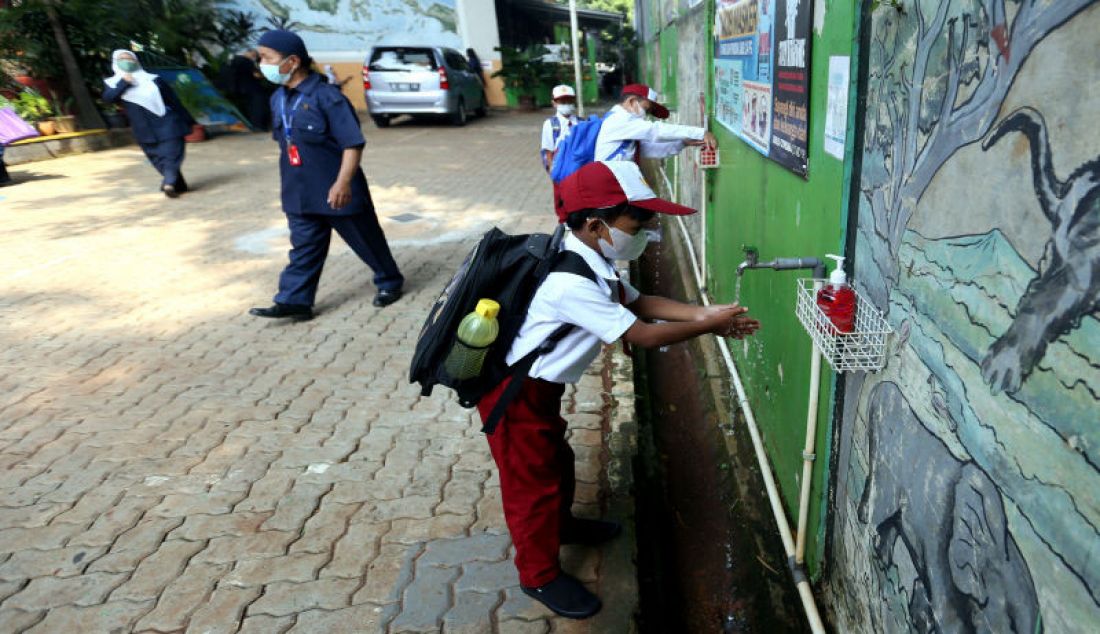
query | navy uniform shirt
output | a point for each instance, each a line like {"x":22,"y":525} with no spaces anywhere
{"x":322,"y":125}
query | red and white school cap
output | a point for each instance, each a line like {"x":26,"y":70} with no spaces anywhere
{"x":599,"y":185}
{"x":562,"y":90}
{"x":645,"y":92}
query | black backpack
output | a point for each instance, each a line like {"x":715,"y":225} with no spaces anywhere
{"x":507,"y":269}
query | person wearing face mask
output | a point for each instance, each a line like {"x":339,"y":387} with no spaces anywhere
{"x":606,"y":207}
{"x":323,"y":186}
{"x":626,"y":135}
{"x":555,"y":128}
{"x":158,"y":119}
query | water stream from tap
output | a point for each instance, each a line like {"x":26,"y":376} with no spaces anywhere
{"x":737,"y":290}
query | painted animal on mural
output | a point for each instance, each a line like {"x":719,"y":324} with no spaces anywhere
{"x":948,"y":517}
{"x":1067,"y":287}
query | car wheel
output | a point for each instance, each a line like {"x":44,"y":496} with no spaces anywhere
{"x":381,"y":120}
{"x":483,"y":109}
{"x":458,"y":117}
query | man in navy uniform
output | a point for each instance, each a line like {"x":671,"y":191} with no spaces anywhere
{"x":323,"y":187}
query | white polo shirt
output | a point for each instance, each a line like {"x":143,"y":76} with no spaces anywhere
{"x":566,"y":298}
{"x":549,"y":144}
{"x":657,"y":139}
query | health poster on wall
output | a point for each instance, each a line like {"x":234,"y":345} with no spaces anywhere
{"x":790,"y":125}
{"x":743,"y":69}
{"x":761,"y":61}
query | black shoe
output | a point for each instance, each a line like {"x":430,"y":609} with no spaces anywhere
{"x":566,"y":596}
{"x":170,"y":191}
{"x":590,"y":532}
{"x":385,"y":298}
{"x":181,"y":185}
{"x":4,"y":177}
{"x":297,"y":312}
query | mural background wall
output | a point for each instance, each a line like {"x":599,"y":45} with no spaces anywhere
{"x":356,"y":25}
{"x":968,"y":480}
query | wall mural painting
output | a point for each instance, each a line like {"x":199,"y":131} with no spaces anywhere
{"x":356,"y":25}
{"x":968,"y":486}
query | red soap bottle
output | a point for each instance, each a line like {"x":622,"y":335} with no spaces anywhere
{"x":837,"y":299}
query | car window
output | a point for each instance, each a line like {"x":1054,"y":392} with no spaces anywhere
{"x":402,"y":59}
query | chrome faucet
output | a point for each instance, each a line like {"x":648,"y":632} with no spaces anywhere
{"x":751,"y":256}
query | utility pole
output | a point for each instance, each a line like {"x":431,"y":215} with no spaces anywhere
{"x":577,"y":77}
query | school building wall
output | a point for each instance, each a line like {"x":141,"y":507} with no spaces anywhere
{"x":959,"y":488}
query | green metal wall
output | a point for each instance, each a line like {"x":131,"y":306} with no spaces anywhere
{"x":755,"y":201}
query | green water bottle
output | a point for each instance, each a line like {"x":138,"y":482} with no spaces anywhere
{"x":476,"y":333}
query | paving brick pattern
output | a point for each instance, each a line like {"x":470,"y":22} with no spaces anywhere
{"x":170,"y":464}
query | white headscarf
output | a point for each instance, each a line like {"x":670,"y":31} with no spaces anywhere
{"x":143,"y":91}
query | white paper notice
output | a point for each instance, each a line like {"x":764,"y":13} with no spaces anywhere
{"x":836,"y":114}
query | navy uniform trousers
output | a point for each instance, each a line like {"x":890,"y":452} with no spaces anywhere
{"x":167,"y":157}
{"x":310,"y":235}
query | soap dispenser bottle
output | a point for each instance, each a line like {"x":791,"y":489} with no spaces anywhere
{"x":837,"y":299}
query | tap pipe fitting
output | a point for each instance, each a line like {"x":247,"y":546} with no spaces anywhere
{"x":780,"y":264}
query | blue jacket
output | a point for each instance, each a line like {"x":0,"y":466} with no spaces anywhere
{"x":322,"y":124}
{"x":146,"y":126}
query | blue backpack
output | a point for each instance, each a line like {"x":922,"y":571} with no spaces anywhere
{"x":579,"y":149}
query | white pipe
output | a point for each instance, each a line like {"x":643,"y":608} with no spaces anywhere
{"x":577,"y":76}
{"x":805,"y":593}
{"x":808,"y":451}
{"x":703,"y":201}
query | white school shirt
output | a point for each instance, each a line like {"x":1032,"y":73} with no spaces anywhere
{"x":658,"y":139}
{"x":567,"y":123}
{"x":566,"y":298}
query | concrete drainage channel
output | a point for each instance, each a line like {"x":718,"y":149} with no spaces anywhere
{"x":708,"y":556}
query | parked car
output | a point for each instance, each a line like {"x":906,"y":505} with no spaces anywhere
{"x":421,"y":80}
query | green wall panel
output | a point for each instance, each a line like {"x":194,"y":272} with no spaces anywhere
{"x":755,"y":201}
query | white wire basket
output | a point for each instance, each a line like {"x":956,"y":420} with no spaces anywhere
{"x":863,"y":349}
{"x":709,"y":159}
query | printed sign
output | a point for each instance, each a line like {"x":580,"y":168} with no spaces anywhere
{"x":790,"y":123}
{"x":762,"y":69}
{"x":836,"y":113}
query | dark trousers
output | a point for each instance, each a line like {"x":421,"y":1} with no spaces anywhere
{"x":310,"y":235}
{"x":167,"y":157}
{"x":537,"y":478}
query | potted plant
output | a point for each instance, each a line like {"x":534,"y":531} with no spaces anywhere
{"x":66,"y":123}
{"x":522,"y":72}
{"x":33,"y":108}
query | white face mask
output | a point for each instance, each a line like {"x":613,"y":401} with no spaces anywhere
{"x":566,"y":109}
{"x":623,"y":246}
{"x":637,"y":109}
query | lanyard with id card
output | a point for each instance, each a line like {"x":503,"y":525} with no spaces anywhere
{"x":292,"y":155}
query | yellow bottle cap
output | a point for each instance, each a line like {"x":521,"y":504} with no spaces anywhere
{"x":487,"y":308}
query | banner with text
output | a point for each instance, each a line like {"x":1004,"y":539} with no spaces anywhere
{"x":761,"y":75}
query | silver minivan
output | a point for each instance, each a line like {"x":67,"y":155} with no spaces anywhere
{"x":421,"y":80}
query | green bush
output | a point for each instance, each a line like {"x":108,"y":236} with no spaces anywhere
{"x":32,"y":106}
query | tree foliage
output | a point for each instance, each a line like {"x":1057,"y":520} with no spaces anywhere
{"x":186,"y":31}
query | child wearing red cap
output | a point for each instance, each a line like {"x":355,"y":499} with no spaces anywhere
{"x":625,"y":130}
{"x":606,"y":206}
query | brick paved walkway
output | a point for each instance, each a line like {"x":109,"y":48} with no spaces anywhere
{"x":168,"y":463}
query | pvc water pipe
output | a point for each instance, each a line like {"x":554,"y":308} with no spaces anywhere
{"x":808,"y":450}
{"x":802,"y":582}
